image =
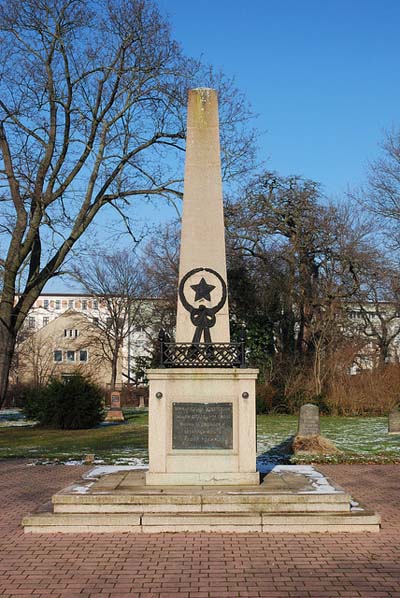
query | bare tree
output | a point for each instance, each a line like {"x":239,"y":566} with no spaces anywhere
{"x":36,"y":358}
{"x":317,"y":249}
{"x":92,"y":114}
{"x":314,"y":258}
{"x":117,"y":281}
{"x":160,"y":263}
{"x":376,"y":318}
{"x":381,"y":193}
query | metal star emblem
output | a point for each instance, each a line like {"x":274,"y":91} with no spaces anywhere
{"x":202,"y":290}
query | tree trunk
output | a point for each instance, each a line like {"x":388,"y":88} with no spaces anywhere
{"x":7,"y":345}
{"x":114,"y":368}
{"x":384,"y":351}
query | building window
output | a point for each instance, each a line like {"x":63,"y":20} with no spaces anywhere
{"x":57,"y":356}
{"x":83,"y":355}
{"x":58,"y":304}
{"x":95,"y":304}
{"x":46,"y":304}
{"x":70,"y":356}
{"x":71,"y":332}
{"x":70,"y":303}
{"x":46,"y":320}
{"x":84,"y":304}
{"x":31,"y":322}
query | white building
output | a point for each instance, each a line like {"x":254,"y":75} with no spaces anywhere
{"x":50,"y":306}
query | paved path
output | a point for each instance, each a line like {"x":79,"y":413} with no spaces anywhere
{"x":197,"y":565}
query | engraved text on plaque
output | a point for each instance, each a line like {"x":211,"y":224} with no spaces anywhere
{"x":202,"y":426}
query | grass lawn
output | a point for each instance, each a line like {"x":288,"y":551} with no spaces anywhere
{"x":110,"y":443}
{"x":360,"y":439}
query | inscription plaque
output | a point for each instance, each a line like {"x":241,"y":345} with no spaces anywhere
{"x":115,"y":400}
{"x":202,"y":426}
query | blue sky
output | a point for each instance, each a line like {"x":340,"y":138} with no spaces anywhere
{"x":323,"y":76}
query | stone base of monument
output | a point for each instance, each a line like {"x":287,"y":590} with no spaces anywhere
{"x":115,"y":415}
{"x":290,"y":499}
{"x":202,"y":427}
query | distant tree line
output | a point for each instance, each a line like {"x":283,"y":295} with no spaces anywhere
{"x":316,"y":286}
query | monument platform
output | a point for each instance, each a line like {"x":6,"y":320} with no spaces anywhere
{"x":202,"y":428}
{"x":294,"y":499}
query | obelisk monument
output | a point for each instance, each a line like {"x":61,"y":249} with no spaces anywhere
{"x":203,"y":230}
{"x":202,"y":427}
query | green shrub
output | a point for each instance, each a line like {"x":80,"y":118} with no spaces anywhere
{"x":33,"y":403}
{"x":70,"y":404}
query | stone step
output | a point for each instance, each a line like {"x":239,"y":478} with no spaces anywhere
{"x":353,"y":521}
{"x":82,"y":522}
{"x":292,"y":506}
{"x":200,"y":501}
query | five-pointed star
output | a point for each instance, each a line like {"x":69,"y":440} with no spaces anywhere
{"x":202,"y":290}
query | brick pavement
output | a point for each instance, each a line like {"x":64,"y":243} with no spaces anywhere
{"x":197,"y":565}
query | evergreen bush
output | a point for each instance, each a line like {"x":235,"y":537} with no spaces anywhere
{"x":73,"y":403}
{"x":33,"y":403}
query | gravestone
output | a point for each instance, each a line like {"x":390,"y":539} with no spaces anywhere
{"x":309,"y":420}
{"x":394,"y":422}
{"x":202,"y":425}
{"x":115,"y":414}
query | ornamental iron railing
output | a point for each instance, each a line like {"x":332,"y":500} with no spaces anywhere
{"x":202,"y":355}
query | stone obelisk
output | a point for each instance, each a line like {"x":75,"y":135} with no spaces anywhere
{"x":203,"y":230}
{"x":202,"y":427}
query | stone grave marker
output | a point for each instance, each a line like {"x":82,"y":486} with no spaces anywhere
{"x":394,"y":422}
{"x":115,"y":413}
{"x":309,"y":420}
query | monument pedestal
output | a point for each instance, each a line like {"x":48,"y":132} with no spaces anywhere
{"x":202,"y":427}
{"x":115,"y":414}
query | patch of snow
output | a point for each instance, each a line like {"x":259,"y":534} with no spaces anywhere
{"x":303,"y":469}
{"x":318,"y":480}
{"x":79,"y":489}
{"x":97,"y":472}
{"x":17,"y":423}
{"x":14,"y":418}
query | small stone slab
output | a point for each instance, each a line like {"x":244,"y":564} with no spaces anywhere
{"x":309,"y":420}
{"x":394,"y":422}
{"x":108,"y":482}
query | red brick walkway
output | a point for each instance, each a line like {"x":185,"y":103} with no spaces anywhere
{"x":197,"y":565}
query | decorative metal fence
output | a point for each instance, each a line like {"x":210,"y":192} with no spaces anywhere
{"x":199,"y":355}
